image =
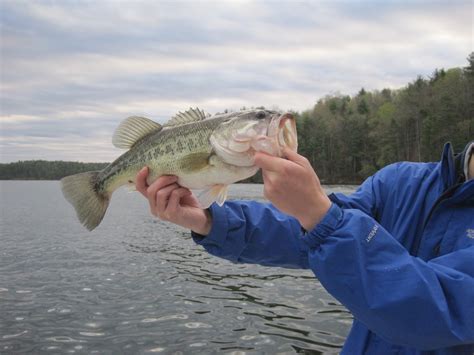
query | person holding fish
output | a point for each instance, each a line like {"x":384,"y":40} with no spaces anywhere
{"x":398,"y":253}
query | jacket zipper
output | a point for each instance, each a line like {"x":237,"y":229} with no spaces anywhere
{"x":444,"y":196}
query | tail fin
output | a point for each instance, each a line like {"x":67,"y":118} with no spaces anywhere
{"x":89,"y":204}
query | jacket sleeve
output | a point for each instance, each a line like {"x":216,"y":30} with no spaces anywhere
{"x":403,"y":299}
{"x":252,"y":232}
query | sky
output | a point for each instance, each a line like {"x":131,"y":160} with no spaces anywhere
{"x":71,"y":71}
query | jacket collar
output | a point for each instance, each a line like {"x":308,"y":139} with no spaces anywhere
{"x":448,"y":167}
{"x":454,"y":166}
{"x":452,"y":173}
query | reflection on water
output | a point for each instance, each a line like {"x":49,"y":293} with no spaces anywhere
{"x":139,"y":285}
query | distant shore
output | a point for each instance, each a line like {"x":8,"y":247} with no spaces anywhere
{"x":44,"y":170}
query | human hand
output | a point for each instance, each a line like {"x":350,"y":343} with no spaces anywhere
{"x":173,"y":203}
{"x":293,"y":187}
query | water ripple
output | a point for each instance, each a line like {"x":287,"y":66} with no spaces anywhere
{"x":139,"y":285}
{"x":8,"y":336}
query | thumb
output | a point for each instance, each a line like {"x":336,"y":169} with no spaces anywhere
{"x":140,"y":181}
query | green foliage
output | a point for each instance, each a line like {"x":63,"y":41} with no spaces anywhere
{"x":346,"y":139}
{"x":45,"y":170}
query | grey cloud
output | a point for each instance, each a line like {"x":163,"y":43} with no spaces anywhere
{"x":80,"y":67}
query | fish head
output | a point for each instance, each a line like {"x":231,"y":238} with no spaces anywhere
{"x":244,"y":133}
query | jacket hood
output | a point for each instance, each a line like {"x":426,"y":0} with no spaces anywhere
{"x":461,"y":161}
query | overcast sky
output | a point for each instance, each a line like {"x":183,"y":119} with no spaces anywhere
{"x":72,"y":70}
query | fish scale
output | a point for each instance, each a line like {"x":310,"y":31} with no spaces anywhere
{"x":196,"y":148}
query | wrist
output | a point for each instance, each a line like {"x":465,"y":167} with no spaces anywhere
{"x":316,"y":213}
{"x":205,"y":224}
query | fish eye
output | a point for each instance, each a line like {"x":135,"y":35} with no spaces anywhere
{"x":261,"y":114}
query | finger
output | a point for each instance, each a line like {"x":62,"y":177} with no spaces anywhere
{"x":163,"y":181}
{"x":158,"y":185}
{"x":162,"y":197}
{"x":190,"y":199}
{"x":268,"y":162}
{"x":140,"y":181}
{"x":174,"y":200}
{"x":294,"y":156}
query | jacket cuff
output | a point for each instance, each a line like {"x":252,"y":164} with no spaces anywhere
{"x":325,"y":227}
{"x":219,"y":228}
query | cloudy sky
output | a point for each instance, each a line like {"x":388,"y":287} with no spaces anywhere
{"x":72,"y":70}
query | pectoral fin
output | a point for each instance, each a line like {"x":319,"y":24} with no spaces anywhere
{"x":216,"y":193}
{"x":131,"y":187}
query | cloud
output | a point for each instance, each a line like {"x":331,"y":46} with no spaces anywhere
{"x":70,"y":71}
{"x":58,"y":148}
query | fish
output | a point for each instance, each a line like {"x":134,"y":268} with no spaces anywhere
{"x":207,"y":153}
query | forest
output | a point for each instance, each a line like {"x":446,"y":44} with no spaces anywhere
{"x":348,"y":138}
{"x":45,"y":170}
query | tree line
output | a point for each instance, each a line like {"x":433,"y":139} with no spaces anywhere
{"x":348,"y":138}
{"x":45,"y":170}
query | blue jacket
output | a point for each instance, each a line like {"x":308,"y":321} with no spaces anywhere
{"x":398,"y":253}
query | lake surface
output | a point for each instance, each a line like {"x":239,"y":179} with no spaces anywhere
{"x":139,"y":285}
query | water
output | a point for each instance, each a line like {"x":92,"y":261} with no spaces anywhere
{"x":139,"y":285}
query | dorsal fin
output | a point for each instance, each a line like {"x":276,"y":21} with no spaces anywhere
{"x":191,"y":115}
{"x":133,"y":129}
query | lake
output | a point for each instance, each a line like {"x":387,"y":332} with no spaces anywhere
{"x":140,"y":285}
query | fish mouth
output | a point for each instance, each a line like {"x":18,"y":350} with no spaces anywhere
{"x":282,"y":128}
{"x":271,"y":136}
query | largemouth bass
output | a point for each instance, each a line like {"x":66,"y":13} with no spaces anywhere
{"x":206,"y":153}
